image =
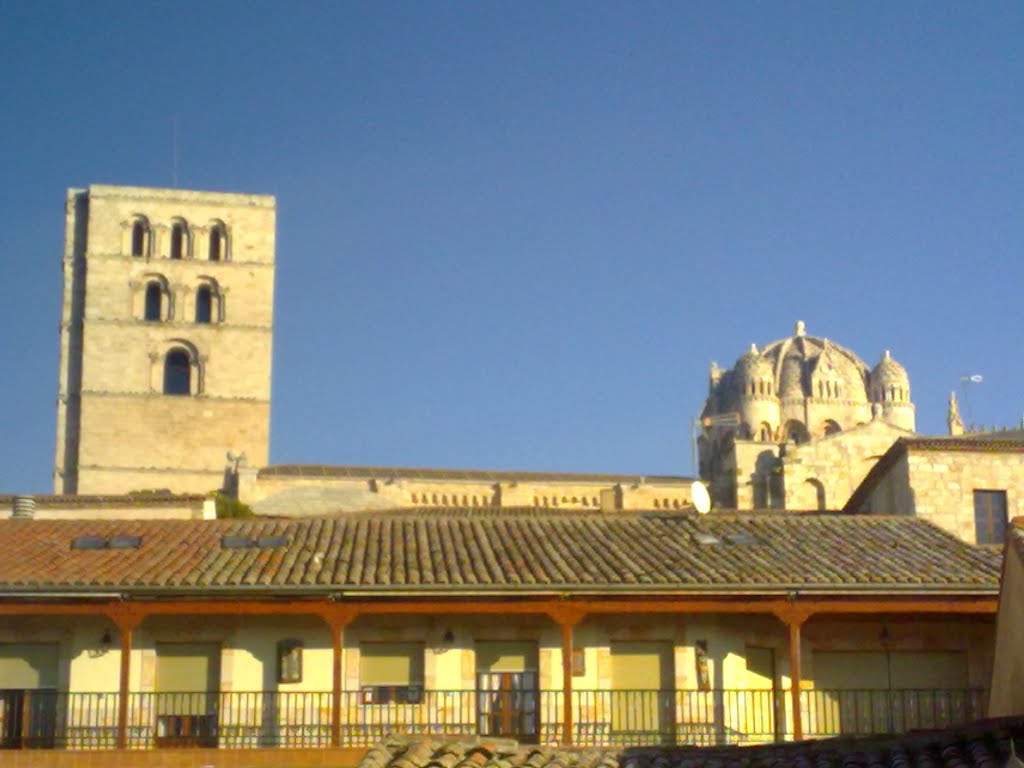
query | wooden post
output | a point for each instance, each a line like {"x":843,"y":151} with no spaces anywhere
{"x":795,"y":676}
{"x":126,"y":623}
{"x":567,"y":724}
{"x":567,"y":618}
{"x":337,"y":620}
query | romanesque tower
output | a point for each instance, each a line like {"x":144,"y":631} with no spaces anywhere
{"x":165,"y":338}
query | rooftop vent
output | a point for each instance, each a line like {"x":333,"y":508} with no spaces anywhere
{"x":89,"y":542}
{"x":124,"y":542}
{"x":101,"y":542}
{"x":272,"y":541}
{"x":23,"y":508}
{"x":260,"y":542}
{"x":706,"y":538}
{"x":742,"y":538}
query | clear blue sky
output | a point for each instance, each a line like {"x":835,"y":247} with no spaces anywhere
{"x":514,"y":235}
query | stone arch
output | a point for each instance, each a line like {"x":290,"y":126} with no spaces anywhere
{"x":818,"y":489}
{"x":830,"y":427}
{"x":209,"y":301}
{"x":138,"y":237}
{"x":765,"y":433}
{"x":174,"y":358}
{"x":180,"y":246}
{"x":218,"y":243}
{"x":795,"y":432}
{"x":152,"y":299}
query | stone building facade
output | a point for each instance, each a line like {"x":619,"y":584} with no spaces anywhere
{"x":797,"y":424}
{"x":166,"y":332}
{"x":291,"y":490}
{"x":970,"y":486}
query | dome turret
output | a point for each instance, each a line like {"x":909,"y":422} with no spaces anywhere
{"x":754,"y":375}
{"x":889,"y":381}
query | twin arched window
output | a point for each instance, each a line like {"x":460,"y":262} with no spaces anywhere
{"x":154,"y":302}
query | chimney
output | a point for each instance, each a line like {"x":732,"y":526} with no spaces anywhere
{"x":23,"y":508}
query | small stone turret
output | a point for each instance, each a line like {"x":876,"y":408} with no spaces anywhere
{"x":953,"y":420}
{"x":758,"y":401}
{"x":890,"y":388}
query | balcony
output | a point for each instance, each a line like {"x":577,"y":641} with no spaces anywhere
{"x":260,"y":719}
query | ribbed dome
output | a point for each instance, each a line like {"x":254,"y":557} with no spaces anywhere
{"x":798,"y":358}
{"x":888,"y":371}
{"x":791,"y":377}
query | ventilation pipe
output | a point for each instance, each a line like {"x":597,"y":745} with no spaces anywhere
{"x":23,"y":508}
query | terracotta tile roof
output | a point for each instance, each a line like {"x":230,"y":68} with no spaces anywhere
{"x":465,"y":475}
{"x":445,"y":551}
{"x":962,"y":443}
{"x":985,"y":744}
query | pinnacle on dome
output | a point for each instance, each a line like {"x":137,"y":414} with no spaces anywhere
{"x":800,"y":328}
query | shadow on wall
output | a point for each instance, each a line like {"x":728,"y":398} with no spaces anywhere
{"x":768,"y":482}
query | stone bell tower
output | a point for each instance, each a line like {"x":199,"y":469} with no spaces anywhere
{"x":165,"y":336}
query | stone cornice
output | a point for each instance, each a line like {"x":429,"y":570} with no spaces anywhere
{"x":215,"y":265}
{"x":234,"y":199}
{"x":160,"y":395}
{"x":224,"y":327}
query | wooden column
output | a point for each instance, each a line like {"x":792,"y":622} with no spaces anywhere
{"x":337,"y":621}
{"x":795,"y":676}
{"x":567,"y":618}
{"x":126,"y":623}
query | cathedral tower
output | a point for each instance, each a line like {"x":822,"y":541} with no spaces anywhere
{"x":165,"y":338}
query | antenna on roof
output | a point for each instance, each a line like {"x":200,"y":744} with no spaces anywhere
{"x":700,"y":497}
{"x":174,"y":152}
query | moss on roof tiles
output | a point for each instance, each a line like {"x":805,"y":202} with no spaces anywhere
{"x":515,"y":549}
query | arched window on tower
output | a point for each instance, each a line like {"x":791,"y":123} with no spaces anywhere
{"x":154,"y":298}
{"x":204,"y":304}
{"x":765,"y":434}
{"x":177,"y":372}
{"x":179,"y":239}
{"x":140,"y":237}
{"x":218,"y":242}
{"x":830,"y":427}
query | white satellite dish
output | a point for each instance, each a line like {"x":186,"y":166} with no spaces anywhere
{"x":700,"y":497}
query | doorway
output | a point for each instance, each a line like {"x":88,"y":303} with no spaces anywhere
{"x":187,"y":685}
{"x":507,"y":685}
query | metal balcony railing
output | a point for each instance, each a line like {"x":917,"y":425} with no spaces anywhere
{"x":238,"y":720}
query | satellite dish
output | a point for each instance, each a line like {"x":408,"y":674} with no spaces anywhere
{"x":700,"y":497}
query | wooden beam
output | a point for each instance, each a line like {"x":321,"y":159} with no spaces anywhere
{"x":522,"y":604}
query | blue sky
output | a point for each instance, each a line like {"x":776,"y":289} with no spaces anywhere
{"x":514,"y":235}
